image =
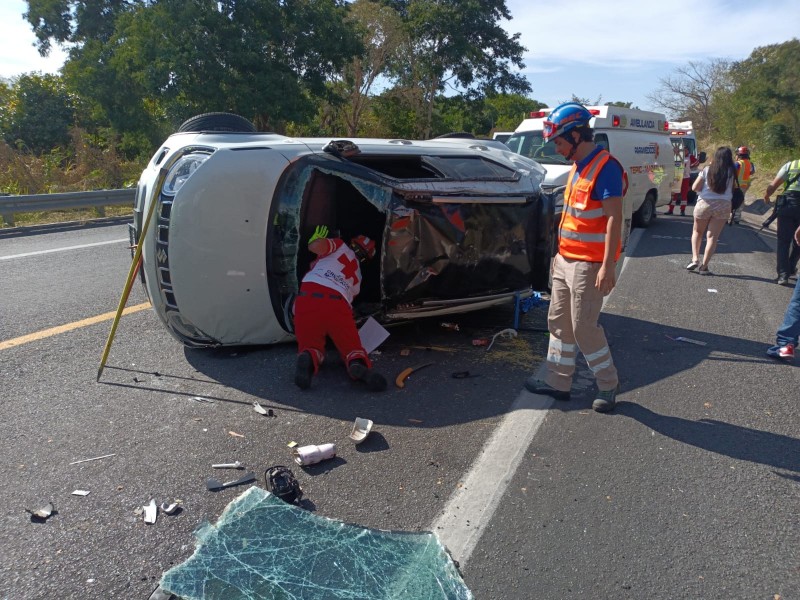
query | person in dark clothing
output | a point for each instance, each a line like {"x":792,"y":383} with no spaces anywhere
{"x":788,"y":212}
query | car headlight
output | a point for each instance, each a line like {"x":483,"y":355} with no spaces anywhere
{"x":181,"y":171}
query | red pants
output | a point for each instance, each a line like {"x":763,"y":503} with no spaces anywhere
{"x":321,"y":312}
{"x":683,"y":197}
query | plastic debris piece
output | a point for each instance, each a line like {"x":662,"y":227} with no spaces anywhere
{"x":259,"y":409}
{"x":361,"y":429}
{"x":400,"y":380}
{"x":690,"y":341}
{"x":270,"y":413}
{"x":234,"y":434}
{"x":510,"y":333}
{"x":150,"y":512}
{"x":712,"y":291}
{"x":80,"y":493}
{"x":201,"y":399}
{"x":43,"y":512}
{"x":311,"y":455}
{"x":437,"y":348}
{"x":450,"y":326}
{"x":292,"y":444}
{"x":214,"y":485}
{"x":405,"y":351}
{"x":233,"y":465}
{"x":415,"y":421}
{"x":531,"y":301}
{"x":77,"y":462}
{"x":170,"y":508}
{"x":480,"y":342}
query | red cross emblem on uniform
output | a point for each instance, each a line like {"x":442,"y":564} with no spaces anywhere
{"x":349,"y":268}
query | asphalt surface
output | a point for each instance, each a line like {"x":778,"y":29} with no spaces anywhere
{"x":688,"y":490}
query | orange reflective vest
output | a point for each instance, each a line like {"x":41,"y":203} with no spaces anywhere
{"x":744,"y":172}
{"x":582,"y":233}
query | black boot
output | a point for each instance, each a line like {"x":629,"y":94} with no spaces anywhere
{"x":358,"y":370}
{"x":304,"y":370}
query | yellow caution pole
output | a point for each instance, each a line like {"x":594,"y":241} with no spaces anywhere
{"x":135,"y":264}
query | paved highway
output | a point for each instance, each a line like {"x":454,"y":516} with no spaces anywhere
{"x":689,"y":490}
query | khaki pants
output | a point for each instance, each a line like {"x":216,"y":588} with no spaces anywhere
{"x":575,"y":305}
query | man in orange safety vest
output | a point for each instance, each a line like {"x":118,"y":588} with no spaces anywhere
{"x":584,"y":268}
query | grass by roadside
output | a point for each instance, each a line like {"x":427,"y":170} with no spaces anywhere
{"x":64,"y":216}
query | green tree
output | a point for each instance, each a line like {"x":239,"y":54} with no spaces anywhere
{"x":382,"y":35}
{"x":456,"y":45}
{"x":763,"y":108}
{"x":689,"y":92}
{"x":38,"y":113}
{"x":506,"y":111}
{"x":157,"y":60}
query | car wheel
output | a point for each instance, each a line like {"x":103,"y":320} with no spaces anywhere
{"x":646,"y":214}
{"x":217,"y":121}
{"x":464,"y":135}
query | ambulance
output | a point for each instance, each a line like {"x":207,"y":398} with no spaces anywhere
{"x":638,"y":139}
{"x":684,"y":143}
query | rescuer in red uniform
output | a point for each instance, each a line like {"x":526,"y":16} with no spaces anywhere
{"x":324,"y":308}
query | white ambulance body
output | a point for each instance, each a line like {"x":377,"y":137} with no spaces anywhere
{"x":638,"y":139}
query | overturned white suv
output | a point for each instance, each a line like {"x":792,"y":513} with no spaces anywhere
{"x":460,"y":224}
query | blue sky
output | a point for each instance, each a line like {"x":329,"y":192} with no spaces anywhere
{"x":615,"y":50}
{"x":619,"y":49}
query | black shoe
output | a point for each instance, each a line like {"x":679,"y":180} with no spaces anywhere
{"x":783,"y":280}
{"x":606,"y":400}
{"x":375,"y":381}
{"x":304,"y":370}
{"x":537,"y":386}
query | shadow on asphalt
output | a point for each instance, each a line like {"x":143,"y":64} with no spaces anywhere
{"x":742,"y":443}
{"x":436,"y":396}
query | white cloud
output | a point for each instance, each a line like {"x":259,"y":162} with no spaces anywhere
{"x":17,"y":53}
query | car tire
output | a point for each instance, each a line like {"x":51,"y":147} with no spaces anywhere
{"x":646,"y":214}
{"x":217,"y":121}
{"x":464,"y":135}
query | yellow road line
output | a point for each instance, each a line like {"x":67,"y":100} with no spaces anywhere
{"x":45,"y":333}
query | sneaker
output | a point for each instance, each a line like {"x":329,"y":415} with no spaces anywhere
{"x":537,"y":386}
{"x":606,"y":400}
{"x":704,"y":271}
{"x":359,"y":371}
{"x":669,"y":212}
{"x":782,"y":352}
{"x":304,"y":370}
{"x":692,"y":265}
{"x":783,"y":280}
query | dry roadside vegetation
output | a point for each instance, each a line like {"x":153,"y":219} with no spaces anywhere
{"x":83,"y":166}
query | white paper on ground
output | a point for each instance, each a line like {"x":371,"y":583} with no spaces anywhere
{"x":372,"y":335}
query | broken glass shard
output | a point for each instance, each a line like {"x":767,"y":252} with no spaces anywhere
{"x":264,"y":548}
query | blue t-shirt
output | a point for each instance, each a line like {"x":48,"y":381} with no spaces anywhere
{"x":609,"y":179}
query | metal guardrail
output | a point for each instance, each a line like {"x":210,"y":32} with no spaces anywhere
{"x":9,"y":205}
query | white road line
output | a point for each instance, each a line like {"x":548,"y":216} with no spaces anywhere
{"x":469,"y":510}
{"x":64,"y":249}
{"x":471,"y":507}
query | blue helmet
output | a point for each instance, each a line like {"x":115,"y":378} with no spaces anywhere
{"x":565,"y":117}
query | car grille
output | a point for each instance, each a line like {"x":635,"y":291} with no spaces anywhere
{"x":162,"y":253}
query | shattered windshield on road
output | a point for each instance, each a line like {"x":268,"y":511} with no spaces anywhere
{"x":264,"y":548}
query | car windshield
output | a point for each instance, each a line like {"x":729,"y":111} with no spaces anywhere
{"x":532,"y":145}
